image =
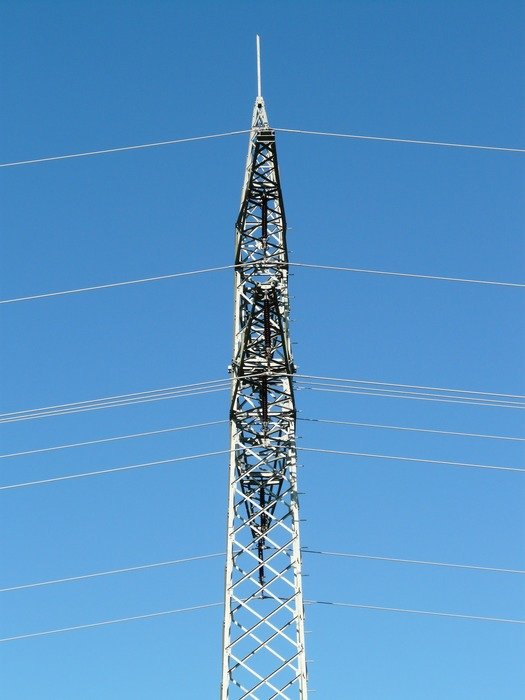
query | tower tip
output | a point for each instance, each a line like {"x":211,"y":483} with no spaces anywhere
{"x":258,"y":44}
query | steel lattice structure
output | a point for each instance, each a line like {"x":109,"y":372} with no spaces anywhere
{"x":263,"y":650}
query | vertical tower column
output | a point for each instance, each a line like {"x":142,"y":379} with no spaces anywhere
{"x":263,"y":649}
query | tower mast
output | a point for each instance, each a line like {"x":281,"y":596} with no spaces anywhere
{"x":263,"y":645}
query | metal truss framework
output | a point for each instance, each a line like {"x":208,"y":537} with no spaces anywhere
{"x":263,"y":649}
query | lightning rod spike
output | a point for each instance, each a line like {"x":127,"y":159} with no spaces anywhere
{"x":259,"y":88}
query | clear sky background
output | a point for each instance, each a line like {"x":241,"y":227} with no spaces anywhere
{"x":80,"y":76}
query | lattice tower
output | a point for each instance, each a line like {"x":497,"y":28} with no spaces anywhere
{"x":263,"y":650}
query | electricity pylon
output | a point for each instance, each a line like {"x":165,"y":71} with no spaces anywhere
{"x":263,"y":646}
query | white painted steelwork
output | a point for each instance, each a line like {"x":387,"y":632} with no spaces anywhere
{"x":263,"y":649}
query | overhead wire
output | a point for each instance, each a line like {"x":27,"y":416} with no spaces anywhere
{"x":113,"y":470}
{"x":117,"y":404}
{"x":169,"y":142}
{"x":393,"y":139}
{"x":419,"y":397}
{"x":114,"y":439}
{"x":124,"y":148}
{"x":399,"y":458}
{"x":104,"y":623}
{"x":182,"y":390}
{"x":93,"y":406}
{"x":404,"y":392}
{"x":299,"y":379}
{"x":161,"y":613}
{"x":409,"y":428}
{"x":421,"y":562}
{"x":406,"y":274}
{"x":304,"y":550}
{"x":157,"y":278}
{"x":416,"y":612}
{"x":110,"y":285}
{"x":410,"y":386}
{"x":113,"y":398}
{"x":98,"y":574}
{"x":224,"y":421}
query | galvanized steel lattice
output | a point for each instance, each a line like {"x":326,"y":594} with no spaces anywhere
{"x":263,"y":651}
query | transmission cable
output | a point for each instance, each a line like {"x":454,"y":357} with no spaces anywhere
{"x":409,"y":428}
{"x":404,"y":392}
{"x":110,"y":622}
{"x":400,"y":458}
{"x":405,"y":274}
{"x":421,"y":562}
{"x":116,"y":284}
{"x":246,"y":131}
{"x":116,"y":404}
{"x":410,"y":386}
{"x":130,"y":467}
{"x":419,"y":397}
{"x":215,"y":605}
{"x":113,"y":398}
{"x":301,"y":379}
{"x":415,"y":612}
{"x":95,"y":404}
{"x":124,"y":148}
{"x":143,"y":280}
{"x":99,"y":472}
{"x":83,"y":577}
{"x":400,"y":140}
{"x":304,"y":550}
{"x":224,"y":421}
{"x":113,"y":439}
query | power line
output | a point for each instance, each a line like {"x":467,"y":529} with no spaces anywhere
{"x":98,"y":472}
{"x":226,"y":381}
{"x":409,"y":428}
{"x":110,"y":622}
{"x":123,"y":148}
{"x":222,"y":452}
{"x":221,"y":422}
{"x":448,"y":565}
{"x":183,"y":390}
{"x":400,"y":140}
{"x":399,"y":458}
{"x":126,"y":570}
{"x":223,"y":385}
{"x":113,"y":398}
{"x":410,"y":386}
{"x":416,"y":612}
{"x":420,"y":397}
{"x":228,"y":267}
{"x":115,"y":404}
{"x":406,"y":274}
{"x":130,"y":467}
{"x":164,"y":394}
{"x":113,"y":439}
{"x":245,"y":131}
{"x":305,"y":550}
{"x":142,"y":280}
{"x":404,"y":392}
{"x":214,"y":605}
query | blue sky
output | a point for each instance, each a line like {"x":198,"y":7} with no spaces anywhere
{"x":77,"y":77}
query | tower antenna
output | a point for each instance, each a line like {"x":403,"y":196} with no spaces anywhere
{"x":259,"y":88}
